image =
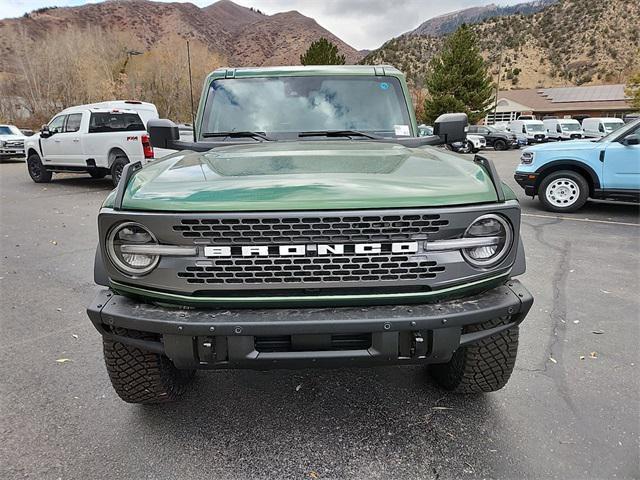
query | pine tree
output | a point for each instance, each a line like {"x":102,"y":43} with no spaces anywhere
{"x":322,"y":52}
{"x":458,"y":80}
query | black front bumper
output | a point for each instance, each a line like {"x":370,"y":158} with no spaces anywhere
{"x":309,"y":337}
{"x":527,"y":181}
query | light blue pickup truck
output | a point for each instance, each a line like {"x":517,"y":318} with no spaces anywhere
{"x":565,"y":174}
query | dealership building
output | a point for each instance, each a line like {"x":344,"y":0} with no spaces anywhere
{"x":564,"y":102}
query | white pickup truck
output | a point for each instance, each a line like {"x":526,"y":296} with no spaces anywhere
{"x":88,"y":139}
{"x":11,"y":142}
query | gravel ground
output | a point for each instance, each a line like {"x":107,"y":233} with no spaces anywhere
{"x":560,"y":416}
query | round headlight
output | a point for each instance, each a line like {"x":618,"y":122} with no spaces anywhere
{"x":499,"y":230}
{"x":121,"y":243}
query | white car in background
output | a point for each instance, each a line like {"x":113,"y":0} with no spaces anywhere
{"x":88,"y":139}
{"x":598,"y":127}
{"x":533,"y":130}
{"x":11,"y":142}
{"x":473,"y":144}
{"x":563,"y":128}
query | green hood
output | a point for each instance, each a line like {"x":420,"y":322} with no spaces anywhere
{"x":307,"y":175}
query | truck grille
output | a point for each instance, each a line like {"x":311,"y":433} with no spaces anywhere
{"x":237,"y":269}
{"x":14,"y":143}
{"x":337,"y":269}
{"x":329,"y":229}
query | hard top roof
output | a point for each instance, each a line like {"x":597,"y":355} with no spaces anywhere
{"x":299,"y":70}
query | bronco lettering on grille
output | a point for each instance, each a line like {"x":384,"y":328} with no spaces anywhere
{"x":310,"y":250}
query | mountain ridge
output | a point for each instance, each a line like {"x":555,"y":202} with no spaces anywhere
{"x":223,"y":27}
{"x":448,"y":22}
{"x":567,"y":43}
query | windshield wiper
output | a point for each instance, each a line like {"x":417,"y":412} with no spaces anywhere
{"x":338,"y":133}
{"x":259,"y":135}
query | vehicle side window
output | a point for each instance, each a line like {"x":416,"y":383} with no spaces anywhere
{"x":103,"y":122}
{"x":56,"y":125}
{"x":558,"y":129}
{"x":73,"y":122}
{"x":484,"y":131}
{"x":472,"y":129}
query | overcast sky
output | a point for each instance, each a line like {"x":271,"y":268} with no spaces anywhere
{"x":360,"y":23}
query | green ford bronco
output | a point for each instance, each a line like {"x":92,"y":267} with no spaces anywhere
{"x":308,"y":225}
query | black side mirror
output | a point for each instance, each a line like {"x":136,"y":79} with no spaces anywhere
{"x":633,"y":139}
{"x":163,"y":133}
{"x":450,"y":127}
{"x":45,"y":132}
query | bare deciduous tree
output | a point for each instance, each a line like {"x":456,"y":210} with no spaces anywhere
{"x":73,"y":67}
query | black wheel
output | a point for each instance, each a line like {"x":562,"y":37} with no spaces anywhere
{"x":563,"y":191}
{"x":116,"y":169}
{"x":471,"y":148}
{"x":464,"y":147}
{"x":484,"y":366}
{"x":97,"y":173}
{"x":500,"y":145}
{"x":37,"y":172}
{"x":139,"y":376}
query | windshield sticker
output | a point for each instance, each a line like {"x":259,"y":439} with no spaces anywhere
{"x":402,"y":130}
{"x":384,"y":86}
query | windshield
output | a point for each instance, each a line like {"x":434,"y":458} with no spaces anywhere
{"x":282,"y":105}
{"x":611,"y":126}
{"x":9,"y":130}
{"x":535,"y":127}
{"x":619,"y":131}
{"x":571,"y":127}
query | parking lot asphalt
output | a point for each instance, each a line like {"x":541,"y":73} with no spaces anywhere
{"x":570,"y":410}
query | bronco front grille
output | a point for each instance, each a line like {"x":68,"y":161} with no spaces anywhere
{"x":337,"y":269}
{"x":236,"y":267}
{"x":302,"y":229}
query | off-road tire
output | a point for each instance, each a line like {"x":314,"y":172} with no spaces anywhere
{"x":97,"y":173}
{"x":576,"y":180}
{"x":484,"y":366}
{"x":116,"y":168}
{"x":140,"y":376}
{"x":37,"y":172}
{"x":499,"y":145}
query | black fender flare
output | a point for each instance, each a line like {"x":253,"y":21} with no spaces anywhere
{"x":99,"y":271}
{"x":574,"y":165}
{"x":520,"y":263}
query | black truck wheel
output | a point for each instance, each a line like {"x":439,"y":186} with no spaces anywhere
{"x":139,"y":376}
{"x":484,"y":366}
{"x":499,"y":145}
{"x":116,"y":168}
{"x":37,"y":172}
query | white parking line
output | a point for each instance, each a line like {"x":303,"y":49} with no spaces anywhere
{"x":580,"y":219}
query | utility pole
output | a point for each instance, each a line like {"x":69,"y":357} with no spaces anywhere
{"x":495,"y":105}
{"x":193,"y":118}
